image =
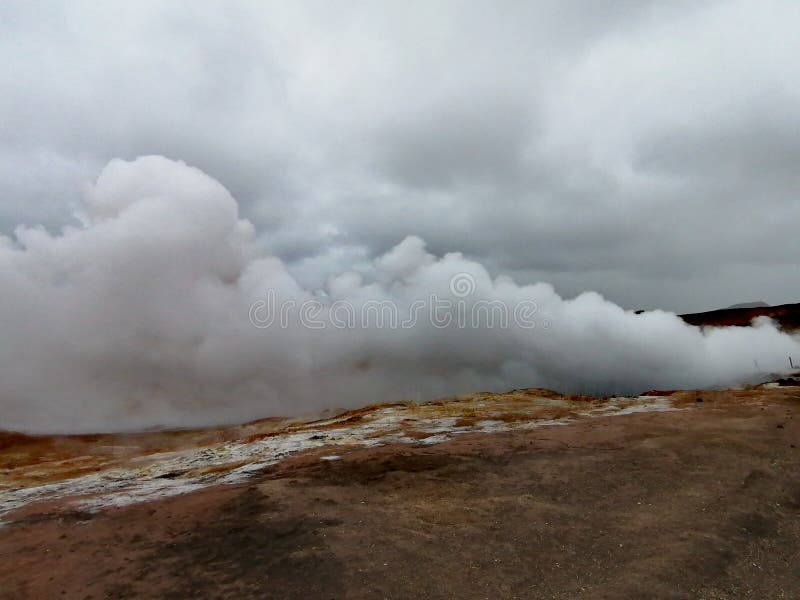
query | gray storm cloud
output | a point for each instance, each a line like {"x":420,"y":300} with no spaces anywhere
{"x":646,"y":150}
{"x":161,"y":310}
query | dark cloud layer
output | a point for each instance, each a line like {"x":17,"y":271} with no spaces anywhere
{"x":646,"y":150}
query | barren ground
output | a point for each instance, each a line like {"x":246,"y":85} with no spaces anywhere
{"x":702,"y":502}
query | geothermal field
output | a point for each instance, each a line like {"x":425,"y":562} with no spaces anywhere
{"x":526,"y":494}
{"x":436,"y":300}
{"x":181,"y":418}
{"x":531,"y":493}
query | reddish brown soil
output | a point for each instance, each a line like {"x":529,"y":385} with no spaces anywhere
{"x":786,"y":315}
{"x":699,"y":503}
{"x":36,"y":459}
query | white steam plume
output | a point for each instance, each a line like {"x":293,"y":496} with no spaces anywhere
{"x":144,"y":317}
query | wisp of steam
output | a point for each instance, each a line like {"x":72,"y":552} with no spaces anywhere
{"x":160,"y":311}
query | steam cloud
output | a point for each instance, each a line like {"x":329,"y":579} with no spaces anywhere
{"x":142,"y":318}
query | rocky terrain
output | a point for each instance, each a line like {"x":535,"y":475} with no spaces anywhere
{"x":529,"y":494}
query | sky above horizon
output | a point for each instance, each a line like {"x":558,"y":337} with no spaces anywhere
{"x":645,"y":150}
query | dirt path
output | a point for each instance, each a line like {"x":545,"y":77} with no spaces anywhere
{"x":697,"y":503}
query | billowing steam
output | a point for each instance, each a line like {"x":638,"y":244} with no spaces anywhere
{"x":160,"y":311}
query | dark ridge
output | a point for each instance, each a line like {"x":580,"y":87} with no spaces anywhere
{"x":786,"y":315}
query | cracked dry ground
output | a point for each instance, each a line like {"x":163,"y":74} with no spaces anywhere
{"x":696,"y":503}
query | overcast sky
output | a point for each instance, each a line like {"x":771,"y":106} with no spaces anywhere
{"x":646,"y":150}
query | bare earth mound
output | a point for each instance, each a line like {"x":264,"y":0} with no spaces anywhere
{"x":700,"y":501}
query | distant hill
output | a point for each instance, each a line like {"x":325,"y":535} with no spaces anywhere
{"x":756,"y":304}
{"x":786,"y":315}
